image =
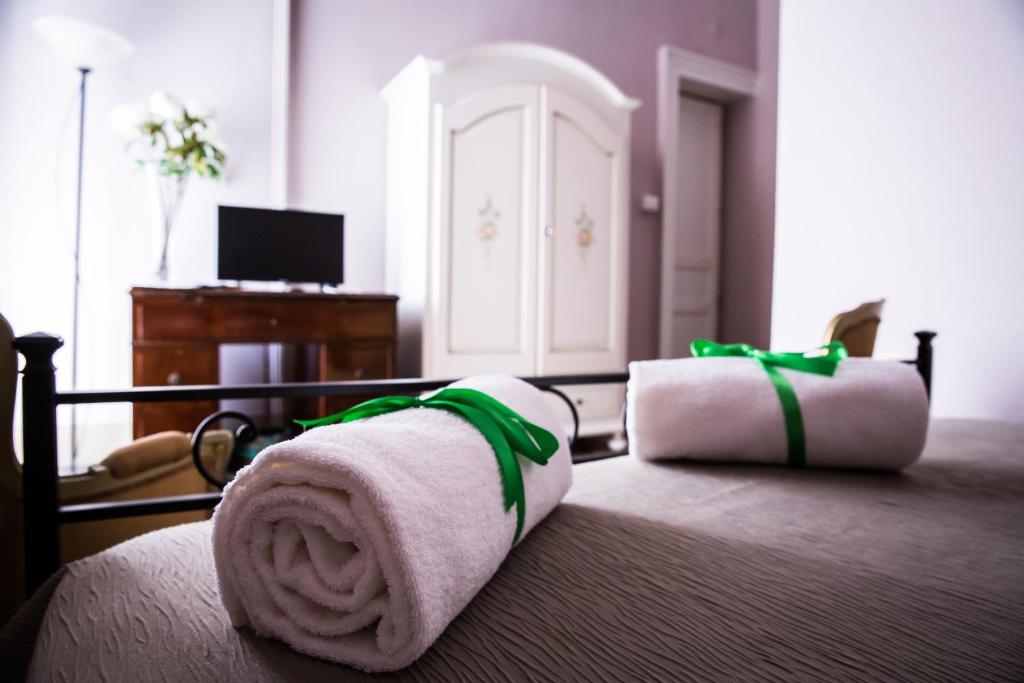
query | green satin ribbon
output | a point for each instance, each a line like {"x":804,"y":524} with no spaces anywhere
{"x":506,"y":431}
{"x":820,"y":361}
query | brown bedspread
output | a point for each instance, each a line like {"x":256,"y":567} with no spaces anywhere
{"x":646,"y":572}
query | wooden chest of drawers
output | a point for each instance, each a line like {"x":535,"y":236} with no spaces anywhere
{"x":176,"y":335}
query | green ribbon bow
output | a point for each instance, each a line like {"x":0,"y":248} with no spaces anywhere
{"x":506,"y":431}
{"x":820,"y":361}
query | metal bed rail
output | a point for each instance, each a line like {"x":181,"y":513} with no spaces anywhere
{"x":43,"y":513}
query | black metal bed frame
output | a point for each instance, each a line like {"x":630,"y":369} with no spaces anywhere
{"x":43,"y":513}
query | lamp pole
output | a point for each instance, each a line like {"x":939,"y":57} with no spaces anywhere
{"x":84,"y":71}
{"x":86,"y":46}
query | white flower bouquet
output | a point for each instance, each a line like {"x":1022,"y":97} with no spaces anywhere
{"x":177,"y":138}
{"x":171,"y":141}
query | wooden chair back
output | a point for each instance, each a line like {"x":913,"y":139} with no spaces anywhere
{"x":857,"y":329}
{"x":153,"y":466}
{"x":11,"y":564}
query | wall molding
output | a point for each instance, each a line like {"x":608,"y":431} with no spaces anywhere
{"x":706,"y":76}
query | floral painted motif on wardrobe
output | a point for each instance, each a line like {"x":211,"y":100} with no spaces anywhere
{"x":489,"y":216}
{"x":584,"y":229}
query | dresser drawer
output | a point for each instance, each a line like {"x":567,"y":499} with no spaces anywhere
{"x":599,"y":407}
{"x":352,"y":363}
{"x":304,"y":321}
{"x":367,"y":320}
{"x":251,"y":320}
{"x":159,"y":364}
{"x":184,"y":318}
{"x":258,"y":320}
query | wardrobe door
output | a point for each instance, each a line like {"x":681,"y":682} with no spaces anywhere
{"x":486,"y":251}
{"x":583,"y":284}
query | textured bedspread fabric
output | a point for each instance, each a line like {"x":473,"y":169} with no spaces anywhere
{"x":647,"y":571}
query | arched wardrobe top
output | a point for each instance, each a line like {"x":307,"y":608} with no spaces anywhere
{"x":484,"y":66}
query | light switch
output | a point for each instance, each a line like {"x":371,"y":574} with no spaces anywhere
{"x":650,"y":203}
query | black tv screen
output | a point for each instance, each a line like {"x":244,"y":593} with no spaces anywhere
{"x":295,"y":246}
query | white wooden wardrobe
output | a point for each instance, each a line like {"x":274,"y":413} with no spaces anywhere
{"x":508,"y":219}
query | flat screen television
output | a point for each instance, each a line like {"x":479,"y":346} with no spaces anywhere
{"x":266,"y":244}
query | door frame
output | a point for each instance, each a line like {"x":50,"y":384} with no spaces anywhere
{"x":684,"y":72}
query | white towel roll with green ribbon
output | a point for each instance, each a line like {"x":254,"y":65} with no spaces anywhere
{"x":862,"y":413}
{"x":360,"y":542}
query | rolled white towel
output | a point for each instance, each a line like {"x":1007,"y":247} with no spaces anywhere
{"x":870,"y":414}
{"x":360,"y":542}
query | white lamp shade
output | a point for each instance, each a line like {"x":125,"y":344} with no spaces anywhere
{"x":84,"y":45}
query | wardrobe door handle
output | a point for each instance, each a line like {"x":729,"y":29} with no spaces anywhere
{"x":548,"y":231}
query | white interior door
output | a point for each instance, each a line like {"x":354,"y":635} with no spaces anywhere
{"x":583,"y":280}
{"x":487,"y":247}
{"x":689,"y":307}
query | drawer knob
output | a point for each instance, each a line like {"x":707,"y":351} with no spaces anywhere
{"x":359,"y":373}
{"x":273,"y":322}
{"x":174,"y":378}
{"x":548,"y":231}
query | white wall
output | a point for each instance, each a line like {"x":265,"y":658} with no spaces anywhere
{"x":901,"y":175}
{"x":217,"y":52}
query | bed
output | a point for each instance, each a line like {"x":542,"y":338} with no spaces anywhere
{"x":646,"y":571}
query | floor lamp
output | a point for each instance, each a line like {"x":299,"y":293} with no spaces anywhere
{"x":87,"y":47}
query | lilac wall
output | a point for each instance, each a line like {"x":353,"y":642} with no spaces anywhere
{"x":343,"y":52}
{"x":748,"y":225}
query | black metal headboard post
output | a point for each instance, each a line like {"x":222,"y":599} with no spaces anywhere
{"x":924,"y":358}
{"x":39,"y":471}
